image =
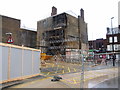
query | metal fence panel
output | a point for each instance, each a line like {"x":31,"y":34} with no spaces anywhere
{"x":1,"y":63}
{"x":36,"y":63}
{"x":16,"y":63}
{"x":5,"y":63}
{"x":27,"y":62}
{"x":0,"y":28}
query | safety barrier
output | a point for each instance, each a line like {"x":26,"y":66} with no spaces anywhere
{"x":78,"y":70}
{"x":18,"y":62}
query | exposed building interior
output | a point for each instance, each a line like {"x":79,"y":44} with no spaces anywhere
{"x":62,"y":32}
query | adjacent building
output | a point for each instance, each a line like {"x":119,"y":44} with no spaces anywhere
{"x":10,"y":29}
{"x":63,"y":32}
{"x":98,"y":45}
{"x":113,"y":42}
{"x":109,"y":46}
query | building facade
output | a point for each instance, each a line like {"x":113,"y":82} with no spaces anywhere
{"x":113,"y":42}
{"x":100,"y":45}
{"x":28,"y":38}
{"x":10,"y":29}
{"x":61,"y":33}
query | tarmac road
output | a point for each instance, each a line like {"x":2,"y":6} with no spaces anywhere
{"x":111,"y":83}
{"x":63,"y":68}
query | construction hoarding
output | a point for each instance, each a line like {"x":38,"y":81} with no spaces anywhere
{"x":18,"y":62}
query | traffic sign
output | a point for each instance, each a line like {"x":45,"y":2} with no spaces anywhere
{"x":10,"y":40}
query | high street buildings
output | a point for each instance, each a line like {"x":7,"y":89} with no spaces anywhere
{"x":113,"y":41}
{"x":99,"y":45}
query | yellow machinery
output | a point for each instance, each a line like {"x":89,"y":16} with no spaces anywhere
{"x":45,"y":57}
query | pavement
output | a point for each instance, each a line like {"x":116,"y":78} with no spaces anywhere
{"x":73,"y":80}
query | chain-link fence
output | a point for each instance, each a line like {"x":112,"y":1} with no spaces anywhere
{"x":79,"y":70}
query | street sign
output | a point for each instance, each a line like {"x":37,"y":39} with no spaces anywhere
{"x":10,"y":40}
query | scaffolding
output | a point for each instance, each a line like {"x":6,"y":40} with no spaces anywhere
{"x":56,"y":40}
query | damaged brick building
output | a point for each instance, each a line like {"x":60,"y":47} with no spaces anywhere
{"x":62,"y":32}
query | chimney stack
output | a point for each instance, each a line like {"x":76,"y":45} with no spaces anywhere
{"x":108,"y":30}
{"x":119,"y":26}
{"x":54,"y":11}
{"x":82,"y":13}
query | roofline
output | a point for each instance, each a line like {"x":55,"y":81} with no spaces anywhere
{"x":27,"y":29}
{"x":10,"y":17}
{"x":56,"y":15}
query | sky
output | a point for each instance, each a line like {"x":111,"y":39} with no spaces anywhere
{"x":97,"y":13}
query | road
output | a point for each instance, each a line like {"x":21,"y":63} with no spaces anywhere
{"x":62,"y":68}
{"x":111,"y":83}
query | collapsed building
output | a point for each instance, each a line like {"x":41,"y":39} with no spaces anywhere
{"x":62,"y":33}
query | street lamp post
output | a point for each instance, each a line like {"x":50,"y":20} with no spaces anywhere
{"x":113,"y":57}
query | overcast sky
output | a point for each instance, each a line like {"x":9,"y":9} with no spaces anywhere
{"x":98,"y":13}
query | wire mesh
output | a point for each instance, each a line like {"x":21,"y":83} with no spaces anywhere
{"x":78,"y":67}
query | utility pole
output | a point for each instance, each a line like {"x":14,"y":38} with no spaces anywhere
{"x":82,"y":57}
{"x":113,"y":56}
